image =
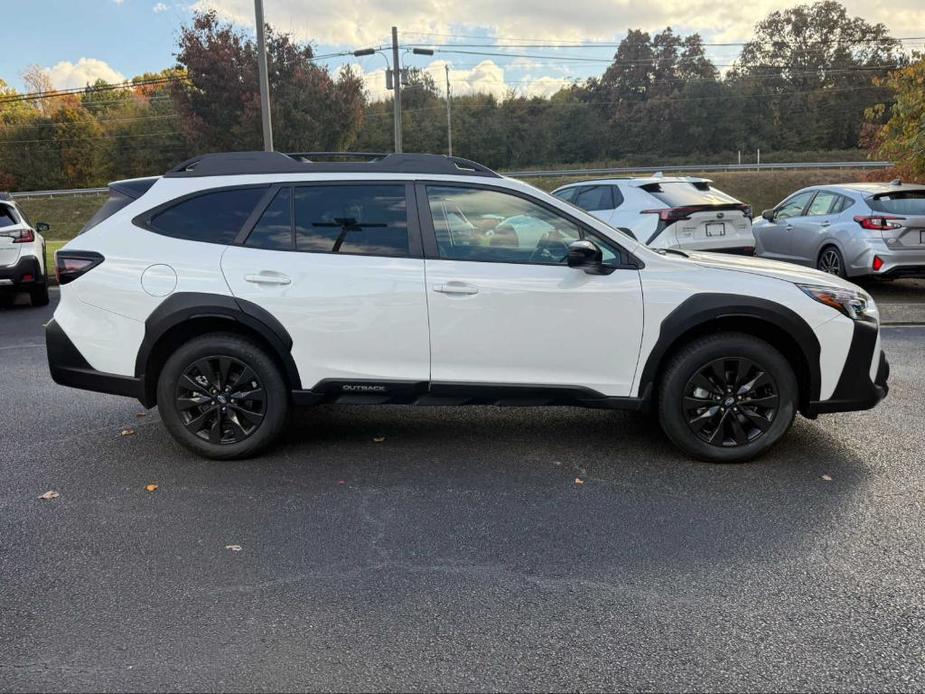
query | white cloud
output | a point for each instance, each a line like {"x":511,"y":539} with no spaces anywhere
{"x":160,"y":7}
{"x":118,"y":2}
{"x":67,"y":75}
{"x":358,"y":23}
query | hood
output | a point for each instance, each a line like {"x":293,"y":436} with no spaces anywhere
{"x":770,"y":268}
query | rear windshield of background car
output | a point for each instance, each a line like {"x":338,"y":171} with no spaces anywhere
{"x":684,"y":193}
{"x":900,"y":202}
{"x":120,"y":195}
{"x":7,"y":216}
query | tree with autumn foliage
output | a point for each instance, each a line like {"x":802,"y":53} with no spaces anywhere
{"x":897,"y":132}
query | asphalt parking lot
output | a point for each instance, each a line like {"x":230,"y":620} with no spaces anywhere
{"x":458,"y":553}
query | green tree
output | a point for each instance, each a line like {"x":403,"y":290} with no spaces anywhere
{"x":898,"y":130}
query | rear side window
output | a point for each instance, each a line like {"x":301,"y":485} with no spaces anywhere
{"x":214,"y":217}
{"x":273,"y":230}
{"x":683,"y":193}
{"x":356,"y":219}
{"x":7,"y":216}
{"x":824,"y":202}
{"x":900,"y":202}
{"x":595,"y":198}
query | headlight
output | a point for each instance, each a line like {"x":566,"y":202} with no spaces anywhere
{"x":856,"y":305}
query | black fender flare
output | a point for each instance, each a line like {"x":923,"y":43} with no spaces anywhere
{"x":185,"y":306}
{"x":700,"y":310}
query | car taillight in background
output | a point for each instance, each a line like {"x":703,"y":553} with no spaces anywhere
{"x":69,"y":265}
{"x":877,"y":223}
{"x":24,"y":236}
{"x":675,"y":214}
{"x":878,"y":263}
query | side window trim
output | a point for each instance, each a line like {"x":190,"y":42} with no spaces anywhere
{"x":257,"y":213}
{"x":429,"y":234}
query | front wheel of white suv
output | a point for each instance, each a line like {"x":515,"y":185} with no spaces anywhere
{"x":727,"y":398}
{"x":222,"y":396}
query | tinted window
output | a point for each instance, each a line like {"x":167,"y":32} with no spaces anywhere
{"x":7,"y":216}
{"x":369,"y":220}
{"x":823,"y":203}
{"x":683,"y":193}
{"x":793,"y":207}
{"x":900,"y":202}
{"x":273,"y":230}
{"x":486,"y":225}
{"x":211,"y":217}
{"x":595,"y":198}
{"x":113,"y":204}
{"x":568,"y":194}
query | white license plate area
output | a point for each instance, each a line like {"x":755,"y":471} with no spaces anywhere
{"x":716,"y":229}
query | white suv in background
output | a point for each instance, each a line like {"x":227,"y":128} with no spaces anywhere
{"x":22,"y":254}
{"x":668,"y":212}
{"x":239,"y":285}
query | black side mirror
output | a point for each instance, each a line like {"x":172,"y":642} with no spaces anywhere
{"x":42,"y":227}
{"x":628,"y":232}
{"x":768,"y":214}
{"x":587,"y":255}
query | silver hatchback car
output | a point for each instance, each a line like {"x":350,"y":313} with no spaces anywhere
{"x":850,"y":230}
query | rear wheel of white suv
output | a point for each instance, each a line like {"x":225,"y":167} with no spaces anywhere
{"x":727,"y":398}
{"x":222,"y":396}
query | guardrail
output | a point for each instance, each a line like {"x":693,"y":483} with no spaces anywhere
{"x":578,"y":172}
{"x":704,"y":167}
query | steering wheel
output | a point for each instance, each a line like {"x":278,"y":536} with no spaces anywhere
{"x":550,"y":249}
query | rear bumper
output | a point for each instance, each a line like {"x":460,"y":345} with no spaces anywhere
{"x":11,"y":276}
{"x":900,"y":271}
{"x":855,"y":389}
{"x":69,"y":368}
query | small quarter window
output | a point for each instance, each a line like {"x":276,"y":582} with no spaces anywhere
{"x":214,"y":217}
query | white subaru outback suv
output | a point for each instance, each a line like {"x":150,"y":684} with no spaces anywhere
{"x":22,"y":254}
{"x":239,"y":285}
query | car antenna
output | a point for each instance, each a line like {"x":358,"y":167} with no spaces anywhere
{"x":896,"y":182}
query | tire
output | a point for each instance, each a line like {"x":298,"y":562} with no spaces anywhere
{"x":39,"y":295}
{"x":831,"y":260}
{"x":726,"y":429}
{"x":223,"y":427}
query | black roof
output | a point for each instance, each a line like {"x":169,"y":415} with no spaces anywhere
{"x":237,"y":163}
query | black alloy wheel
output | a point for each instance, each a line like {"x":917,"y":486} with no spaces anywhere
{"x":730,"y":402}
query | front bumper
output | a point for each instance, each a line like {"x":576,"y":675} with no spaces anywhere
{"x":11,"y":276}
{"x":855,"y":390}
{"x":69,"y":368}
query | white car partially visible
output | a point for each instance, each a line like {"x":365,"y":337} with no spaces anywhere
{"x":668,"y":212}
{"x":22,"y":254}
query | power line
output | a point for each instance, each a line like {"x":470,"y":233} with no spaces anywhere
{"x":35,"y":96}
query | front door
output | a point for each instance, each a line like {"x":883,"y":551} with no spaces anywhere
{"x":776,"y":241}
{"x":504,"y":307}
{"x":339,"y":265}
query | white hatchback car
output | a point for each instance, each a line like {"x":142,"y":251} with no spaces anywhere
{"x":22,"y":254}
{"x":239,"y":285}
{"x":668,"y":212}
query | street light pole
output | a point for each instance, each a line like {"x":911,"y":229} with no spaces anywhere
{"x":263,"y":78}
{"x":396,"y":86}
{"x":449,"y":121}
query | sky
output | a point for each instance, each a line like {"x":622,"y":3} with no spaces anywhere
{"x":79,"y":41}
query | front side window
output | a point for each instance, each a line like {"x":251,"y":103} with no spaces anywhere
{"x":356,"y":219}
{"x":822,"y":203}
{"x":215,"y":217}
{"x":490,"y":226}
{"x":793,"y":207}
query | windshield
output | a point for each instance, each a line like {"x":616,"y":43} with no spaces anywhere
{"x":900,"y":202}
{"x":685,"y":193}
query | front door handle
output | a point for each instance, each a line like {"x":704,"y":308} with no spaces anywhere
{"x":825,"y":224}
{"x":456,"y":288}
{"x":789,"y":227}
{"x":268,"y":278}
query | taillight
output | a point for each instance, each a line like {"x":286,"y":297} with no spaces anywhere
{"x":672,"y":214}
{"x":878,"y":263}
{"x":746,"y":210}
{"x":878,"y":223}
{"x":69,"y":265}
{"x":25,"y":236}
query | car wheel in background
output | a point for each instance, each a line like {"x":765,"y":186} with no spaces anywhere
{"x":222,"y":396}
{"x":727,"y":398}
{"x":831,"y":261}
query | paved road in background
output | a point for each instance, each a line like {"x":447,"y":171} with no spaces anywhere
{"x":458,"y":553}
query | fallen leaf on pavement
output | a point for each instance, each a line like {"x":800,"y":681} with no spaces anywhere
{"x":342,"y":481}
{"x":49,"y":495}
{"x":233,"y":548}
{"x":379,"y":439}
{"x":127,"y":432}
{"x":578,"y":480}
{"x":827,"y":478}
{"x":141,"y":414}
{"x":151,"y":487}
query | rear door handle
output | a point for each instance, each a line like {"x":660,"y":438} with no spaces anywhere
{"x":789,"y":227}
{"x":456,"y":288}
{"x":268,"y":278}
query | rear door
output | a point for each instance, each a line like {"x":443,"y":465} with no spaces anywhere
{"x":340,"y":266}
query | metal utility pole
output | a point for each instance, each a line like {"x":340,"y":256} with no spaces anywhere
{"x":396,"y":85}
{"x":264,"y":78}
{"x":449,"y":120}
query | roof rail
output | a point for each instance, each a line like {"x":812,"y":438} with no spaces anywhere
{"x":243,"y":163}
